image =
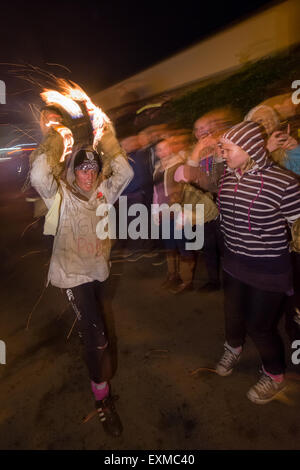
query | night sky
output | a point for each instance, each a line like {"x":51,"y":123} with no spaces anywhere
{"x":102,"y":42}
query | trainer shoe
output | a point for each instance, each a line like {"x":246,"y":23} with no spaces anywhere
{"x":265,"y":390}
{"x":227,"y":362}
{"x":109,"y":417}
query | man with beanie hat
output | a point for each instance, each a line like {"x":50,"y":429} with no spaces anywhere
{"x":80,"y":261}
{"x":257,"y":201}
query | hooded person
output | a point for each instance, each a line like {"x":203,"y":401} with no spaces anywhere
{"x":80,"y":260}
{"x":201,"y":173}
{"x":257,"y":201}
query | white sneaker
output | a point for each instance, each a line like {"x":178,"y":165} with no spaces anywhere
{"x":227,"y":362}
{"x":265,"y":390}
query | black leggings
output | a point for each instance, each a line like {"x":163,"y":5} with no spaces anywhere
{"x":255,"y":312}
{"x":86,"y":300}
{"x":212,"y":250}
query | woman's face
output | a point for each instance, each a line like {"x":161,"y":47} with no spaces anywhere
{"x":202,"y":128}
{"x":234,"y":156}
{"x":162,"y":150}
{"x":86,"y":179}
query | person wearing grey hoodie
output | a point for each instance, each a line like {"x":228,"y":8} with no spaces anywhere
{"x":257,"y":201}
{"x":80,"y":260}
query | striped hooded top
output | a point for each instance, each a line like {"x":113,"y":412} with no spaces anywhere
{"x":257,"y":206}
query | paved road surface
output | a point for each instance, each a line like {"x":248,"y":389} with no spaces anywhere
{"x":45,"y":393}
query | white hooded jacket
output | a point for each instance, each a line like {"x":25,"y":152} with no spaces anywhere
{"x":78,"y":255}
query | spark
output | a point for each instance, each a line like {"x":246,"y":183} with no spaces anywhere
{"x":35,"y":113}
{"x":23,"y":132}
{"x":30,"y":225}
{"x":72,"y":328}
{"x":158,"y":353}
{"x":200,"y":369}
{"x":35,"y":305}
{"x":91,"y":415}
{"x":32,"y":253}
{"x":62,"y":66}
{"x":21,"y":91}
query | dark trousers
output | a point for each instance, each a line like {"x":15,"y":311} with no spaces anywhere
{"x":87,"y":303}
{"x":212,"y":250}
{"x":254,"y":312}
{"x":177,"y":244}
{"x":292,"y":328}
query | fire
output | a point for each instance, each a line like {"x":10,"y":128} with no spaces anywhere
{"x":66,"y":135}
{"x":54,"y":97}
{"x":69,"y":97}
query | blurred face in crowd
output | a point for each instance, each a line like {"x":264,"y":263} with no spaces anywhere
{"x":214,"y":123}
{"x":157,"y":135}
{"x":163,"y":150}
{"x":130,"y":144}
{"x":202,"y":127}
{"x":234,"y":156}
{"x":86,"y":179}
{"x":178,"y":143}
{"x":144,"y":139}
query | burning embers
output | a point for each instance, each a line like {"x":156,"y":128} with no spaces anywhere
{"x":81,"y":121}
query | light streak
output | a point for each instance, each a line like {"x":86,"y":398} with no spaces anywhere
{"x":20,"y":150}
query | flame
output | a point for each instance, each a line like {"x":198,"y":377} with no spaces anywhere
{"x":54,"y":97}
{"x":70,"y":94}
{"x":68,"y":140}
{"x":66,"y":135}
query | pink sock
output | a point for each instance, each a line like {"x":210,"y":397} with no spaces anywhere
{"x":100,"y":391}
{"x":277,"y":378}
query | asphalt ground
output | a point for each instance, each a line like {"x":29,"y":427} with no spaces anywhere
{"x":167,"y":347}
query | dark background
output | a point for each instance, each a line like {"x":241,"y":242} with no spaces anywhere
{"x":99,"y":43}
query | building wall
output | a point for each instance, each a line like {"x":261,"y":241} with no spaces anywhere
{"x":260,"y":35}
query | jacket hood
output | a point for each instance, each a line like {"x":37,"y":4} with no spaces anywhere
{"x":250,"y":136}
